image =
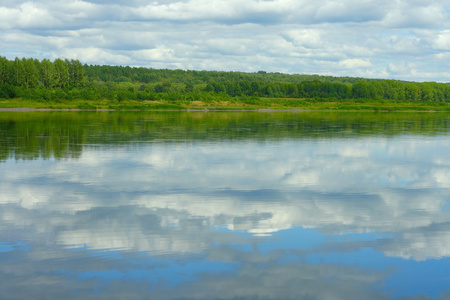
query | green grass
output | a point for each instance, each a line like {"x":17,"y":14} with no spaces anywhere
{"x":238,"y":103}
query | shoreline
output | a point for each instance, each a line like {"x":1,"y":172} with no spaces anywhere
{"x":29,"y":109}
{"x":263,"y":110}
{"x":261,"y":105}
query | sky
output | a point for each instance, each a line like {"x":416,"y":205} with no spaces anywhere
{"x":395,"y":39}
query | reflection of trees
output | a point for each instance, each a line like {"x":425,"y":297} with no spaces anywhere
{"x":30,"y":136}
{"x":63,"y":135}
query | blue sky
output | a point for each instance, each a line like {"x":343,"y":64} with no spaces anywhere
{"x":400,"y":39}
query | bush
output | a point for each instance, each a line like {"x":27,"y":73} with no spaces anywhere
{"x":7,"y":91}
{"x":167,"y":106}
{"x":86,"y":105}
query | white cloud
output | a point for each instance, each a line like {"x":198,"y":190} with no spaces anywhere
{"x":417,"y":15}
{"x":442,"y":41}
{"x":355,"y":63}
{"x":343,"y":38}
{"x":95,"y":56}
{"x":402,"y":68}
{"x":27,"y":15}
{"x":309,"y":38}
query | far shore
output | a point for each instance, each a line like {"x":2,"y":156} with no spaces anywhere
{"x":259,"y":105}
{"x":29,"y":109}
{"x":264,"y":110}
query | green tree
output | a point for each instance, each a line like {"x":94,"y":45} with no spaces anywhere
{"x":75,"y":72}
{"x":188,"y":88}
{"x":61,"y":73}
{"x":31,"y":73}
{"x":412,"y":92}
{"x":363,"y":90}
{"x":47,"y":74}
{"x":427,"y":91}
{"x":394,"y":90}
{"x":5,"y":71}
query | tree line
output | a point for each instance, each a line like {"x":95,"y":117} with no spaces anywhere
{"x":148,"y":75}
{"x":70,"y":79}
{"x":361,"y":89}
{"x":31,"y":73}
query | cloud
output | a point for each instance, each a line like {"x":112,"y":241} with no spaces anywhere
{"x":27,"y":15}
{"x":285,"y":35}
{"x":442,"y":41}
{"x":351,"y":11}
{"x":93,"y":55}
{"x":417,"y":15}
{"x":355,"y":63}
{"x":403,"y":68}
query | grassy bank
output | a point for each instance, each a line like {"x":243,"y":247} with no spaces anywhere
{"x":250,"y":103}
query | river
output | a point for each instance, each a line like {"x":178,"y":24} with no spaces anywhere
{"x":224,"y":205}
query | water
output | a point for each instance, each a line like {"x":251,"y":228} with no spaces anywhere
{"x":226,"y":205}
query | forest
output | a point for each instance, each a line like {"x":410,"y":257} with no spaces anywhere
{"x":68,"y":80}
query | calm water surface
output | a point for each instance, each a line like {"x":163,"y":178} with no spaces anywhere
{"x":227,"y":205}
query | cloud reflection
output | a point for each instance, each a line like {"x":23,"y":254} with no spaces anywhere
{"x":166,"y":198}
{"x":291,"y":219}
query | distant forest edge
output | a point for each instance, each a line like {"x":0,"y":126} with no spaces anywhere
{"x":71,"y":80}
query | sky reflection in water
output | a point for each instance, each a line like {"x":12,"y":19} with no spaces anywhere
{"x":363,"y":217}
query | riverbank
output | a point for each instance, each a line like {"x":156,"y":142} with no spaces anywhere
{"x":261,"y":104}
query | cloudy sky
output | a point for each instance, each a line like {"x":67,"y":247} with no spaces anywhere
{"x":397,"y":39}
